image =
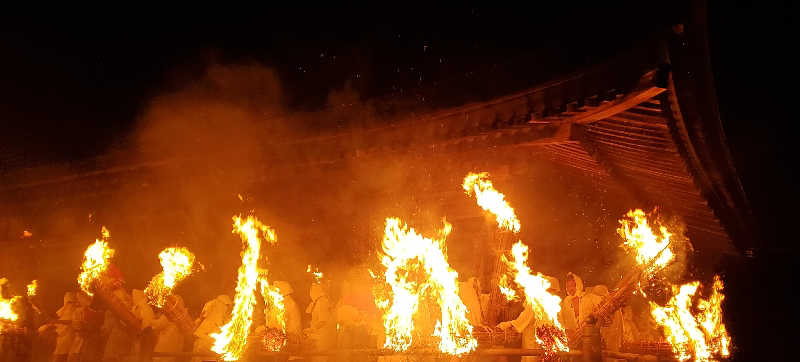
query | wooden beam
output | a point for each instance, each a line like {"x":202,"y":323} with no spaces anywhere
{"x":613,"y":108}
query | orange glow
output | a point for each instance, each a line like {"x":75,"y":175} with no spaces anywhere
{"x":315,"y":272}
{"x":274,"y":310}
{"x":95,"y":262}
{"x":415,"y":267}
{"x":176,"y":264}
{"x":230,"y":342}
{"x":700,"y":335}
{"x":491,"y":200}
{"x":33,"y":288}
{"x":651,"y":249}
{"x":545,"y":305}
{"x":7,"y":314}
{"x":506,"y":289}
{"x":549,"y":333}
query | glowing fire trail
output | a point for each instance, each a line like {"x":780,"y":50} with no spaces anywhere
{"x":231,"y":340}
{"x":549,"y":332}
{"x":491,"y":200}
{"x":176,"y":264}
{"x":406,"y":255}
{"x":701,"y":335}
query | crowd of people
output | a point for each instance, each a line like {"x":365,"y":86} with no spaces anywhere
{"x":83,"y":329}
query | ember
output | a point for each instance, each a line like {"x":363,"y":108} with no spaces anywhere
{"x":275,"y":313}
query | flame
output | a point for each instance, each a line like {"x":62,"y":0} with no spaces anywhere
{"x":232,"y":338}
{"x":274,"y":310}
{"x":640,"y":238}
{"x":406,"y":255}
{"x":316,"y":273}
{"x":549,"y":332}
{"x":701,"y":335}
{"x":506,"y":289}
{"x":7,"y":313}
{"x":33,"y":287}
{"x":95,"y":262}
{"x":491,"y":200}
{"x":176,"y":264}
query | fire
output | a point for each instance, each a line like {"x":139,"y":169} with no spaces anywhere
{"x":406,"y":255}
{"x":316,"y":273}
{"x":506,"y":289}
{"x":95,"y":262}
{"x":231,"y":340}
{"x":33,"y":287}
{"x":549,"y":332}
{"x":274,"y":310}
{"x":491,"y":200}
{"x":7,"y":313}
{"x":701,"y":335}
{"x":652,"y":250}
{"x":176,"y":264}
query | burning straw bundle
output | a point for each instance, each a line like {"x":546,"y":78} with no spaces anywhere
{"x":177,"y":313}
{"x":614,"y":301}
{"x":657,"y":348}
{"x":493,"y":336}
{"x":502,"y":240}
{"x":110,"y":291}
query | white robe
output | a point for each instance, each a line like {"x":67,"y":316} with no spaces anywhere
{"x":212,"y":318}
{"x":169,"y":338}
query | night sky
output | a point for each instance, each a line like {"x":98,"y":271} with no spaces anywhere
{"x":73,"y":88}
{"x":76,"y":87}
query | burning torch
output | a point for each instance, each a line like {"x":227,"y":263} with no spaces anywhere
{"x":102,"y":278}
{"x":176,"y":264}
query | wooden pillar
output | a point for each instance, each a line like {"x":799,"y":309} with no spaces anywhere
{"x":592,"y":345}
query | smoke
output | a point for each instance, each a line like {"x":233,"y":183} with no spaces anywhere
{"x":226,"y":143}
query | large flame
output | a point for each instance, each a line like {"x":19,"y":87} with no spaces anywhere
{"x":231,"y":340}
{"x":549,"y":332}
{"x":33,"y":288}
{"x":95,"y":262}
{"x":700,"y":335}
{"x":491,"y":200}
{"x":652,"y":250}
{"x":274,"y":310}
{"x":176,"y":264}
{"x":415,"y":267}
{"x":7,"y":313}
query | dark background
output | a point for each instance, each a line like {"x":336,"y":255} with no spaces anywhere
{"x":73,"y":88}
